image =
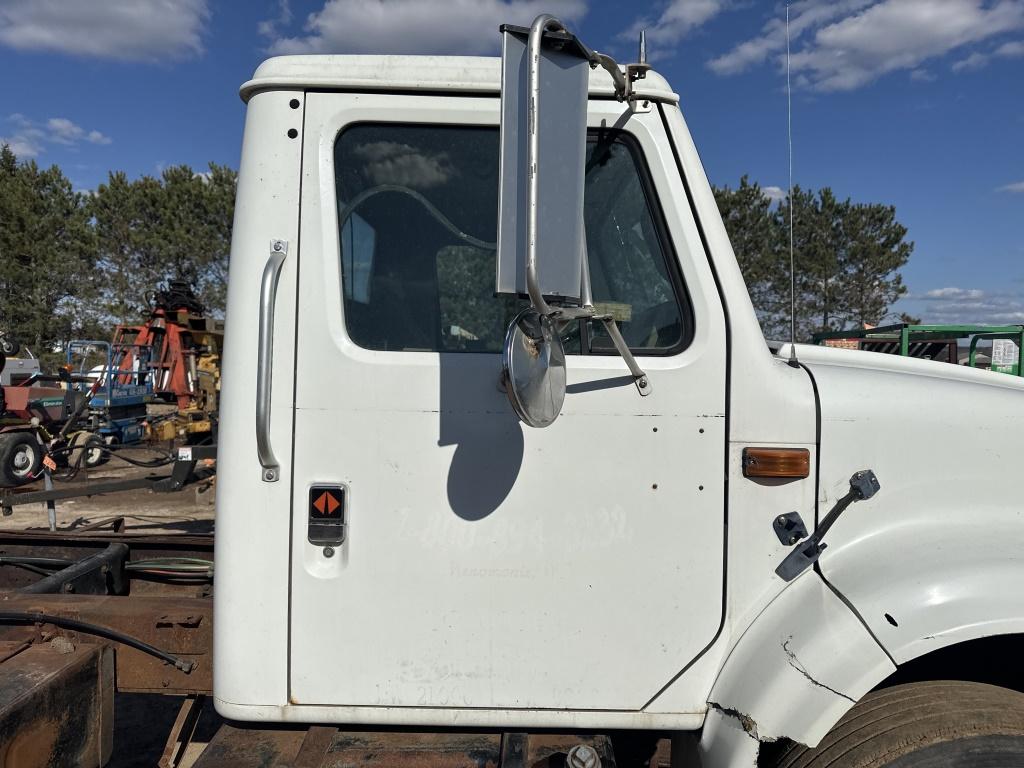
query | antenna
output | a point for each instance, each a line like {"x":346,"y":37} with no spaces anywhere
{"x":792,"y":263}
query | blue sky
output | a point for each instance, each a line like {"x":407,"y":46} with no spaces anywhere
{"x":914,"y":103}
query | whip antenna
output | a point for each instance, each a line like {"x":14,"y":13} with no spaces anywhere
{"x":792,"y":263}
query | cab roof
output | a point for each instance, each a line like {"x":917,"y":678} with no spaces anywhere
{"x":455,"y":74}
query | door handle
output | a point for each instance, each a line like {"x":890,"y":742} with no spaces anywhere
{"x":265,"y":359}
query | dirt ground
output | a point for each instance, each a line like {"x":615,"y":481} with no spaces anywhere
{"x":187,"y":511}
{"x":141,"y":722}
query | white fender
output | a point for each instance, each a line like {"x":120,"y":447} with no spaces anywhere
{"x":802,"y":663}
{"x":923,"y":581}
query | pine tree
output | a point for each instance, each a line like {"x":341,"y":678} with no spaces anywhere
{"x":847,"y":258}
{"x":47,"y":254}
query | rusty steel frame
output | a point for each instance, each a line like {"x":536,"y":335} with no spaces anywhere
{"x":56,"y":705}
{"x":182,"y":626}
{"x":77,"y":545}
{"x":241,"y":746}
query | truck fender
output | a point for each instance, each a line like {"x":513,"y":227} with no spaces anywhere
{"x":923,"y":581}
{"x":800,"y":665}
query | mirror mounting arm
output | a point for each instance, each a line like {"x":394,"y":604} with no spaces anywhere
{"x":641,"y":379}
{"x":624,"y":82}
{"x":543,"y":23}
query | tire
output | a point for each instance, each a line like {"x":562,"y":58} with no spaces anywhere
{"x":96,"y":454}
{"x":87,"y":450}
{"x":21,"y":456}
{"x":940,"y":724}
{"x":10,"y":347}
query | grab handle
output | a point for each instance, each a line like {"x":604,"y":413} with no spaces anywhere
{"x":265,"y":358}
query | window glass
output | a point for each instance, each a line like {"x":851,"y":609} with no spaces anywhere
{"x":418,"y":214}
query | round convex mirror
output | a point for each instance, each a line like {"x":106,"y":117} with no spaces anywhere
{"x":534,"y":368}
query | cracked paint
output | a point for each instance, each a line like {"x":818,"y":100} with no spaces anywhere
{"x":746,"y":721}
{"x":794,"y":662}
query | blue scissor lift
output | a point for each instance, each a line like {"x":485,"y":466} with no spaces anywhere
{"x":117,"y":410}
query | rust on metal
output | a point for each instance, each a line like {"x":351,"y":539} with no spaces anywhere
{"x":241,"y":746}
{"x":135,"y":538}
{"x":413,"y":750}
{"x":314,"y":747}
{"x":57,"y":706}
{"x":73,"y":546}
{"x":115,"y":522}
{"x":778,"y":463}
{"x":235,"y":746}
{"x":325,"y":747}
{"x":182,"y":731}
{"x":182,"y":626}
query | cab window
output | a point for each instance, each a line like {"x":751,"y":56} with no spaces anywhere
{"x":417,"y":209}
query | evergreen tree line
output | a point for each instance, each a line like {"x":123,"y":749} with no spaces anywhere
{"x":73,"y":264}
{"x":847,"y":258}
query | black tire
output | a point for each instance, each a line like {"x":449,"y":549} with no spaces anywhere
{"x":21,"y":456}
{"x":10,"y":347}
{"x":87,"y":450}
{"x":940,"y":724}
{"x":96,"y":453}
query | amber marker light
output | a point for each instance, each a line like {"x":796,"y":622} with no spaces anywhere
{"x":792,"y":463}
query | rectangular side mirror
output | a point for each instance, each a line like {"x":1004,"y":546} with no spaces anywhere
{"x":543,"y":153}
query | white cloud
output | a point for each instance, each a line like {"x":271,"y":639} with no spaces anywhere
{"x":676,"y":20}
{"x":29,"y":138}
{"x":1011,"y":49}
{"x":142,"y":30}
{"x":840,"y":46}
{"x":418,"y":26}
{"x":978,"y":60}
{"x":969,"y":305}
{"x":804,"y":16}
{"x":21,"y":146}
{"x":1016,"y":186}
{"x":269,"y":27}
{"x":63,"y":131}
{"x":953,"y":293}
{"x":775,"y":194}
{"x":26,"y":140}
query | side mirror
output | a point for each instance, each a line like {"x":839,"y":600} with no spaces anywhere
{"x":545,"y":78}
{"x":545,"y":74}
{"x":534,"y":368}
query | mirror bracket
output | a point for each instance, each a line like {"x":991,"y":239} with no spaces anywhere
{"x":624,"y":90}
{"x":640,"y":378}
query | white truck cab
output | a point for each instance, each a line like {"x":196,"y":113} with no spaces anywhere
{"x":395,"y":546}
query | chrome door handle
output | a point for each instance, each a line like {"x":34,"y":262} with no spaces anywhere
{"x":265,"y":358}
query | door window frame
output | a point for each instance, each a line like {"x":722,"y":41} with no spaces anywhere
{"x":655,"y":209}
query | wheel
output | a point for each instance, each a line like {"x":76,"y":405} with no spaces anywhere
{"x":87,"y":450}
{"x":96,"y":454}
{"x":20,"y":458}
{"x":9,"y":347}
{"x":941,"y":724}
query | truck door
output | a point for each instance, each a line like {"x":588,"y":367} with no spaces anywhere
{"x":485,"y":564}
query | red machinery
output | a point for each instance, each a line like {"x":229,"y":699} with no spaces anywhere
{"x":182,"y":346}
